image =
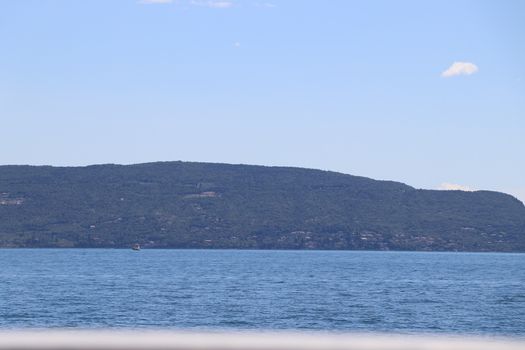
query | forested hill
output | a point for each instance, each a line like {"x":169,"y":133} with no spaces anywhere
{"x":201,"y":205}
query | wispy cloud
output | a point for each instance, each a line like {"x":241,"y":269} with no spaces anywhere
{"x":219,"y":4}
{"x":454,"y":187}
{"x":460,"y":68}
{"x":151,"y":2}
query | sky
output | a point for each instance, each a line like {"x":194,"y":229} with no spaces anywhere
{"x":429,"y":93}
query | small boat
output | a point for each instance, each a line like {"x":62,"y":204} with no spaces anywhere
{"x":136,"y":246}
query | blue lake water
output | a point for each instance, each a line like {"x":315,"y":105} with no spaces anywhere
{"x":401,"y":292}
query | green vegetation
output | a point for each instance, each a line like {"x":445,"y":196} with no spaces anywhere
{"x":200,"y":205}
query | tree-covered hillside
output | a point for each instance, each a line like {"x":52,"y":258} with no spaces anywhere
{"x":201,"y":205}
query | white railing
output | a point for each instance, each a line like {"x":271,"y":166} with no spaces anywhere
{"x":162,"y":340}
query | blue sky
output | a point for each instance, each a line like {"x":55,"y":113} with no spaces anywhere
{"x":351,"y":86}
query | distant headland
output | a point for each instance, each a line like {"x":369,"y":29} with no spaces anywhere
{"x":208,"y":205}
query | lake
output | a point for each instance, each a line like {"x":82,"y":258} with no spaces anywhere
{"x":399,"y":292}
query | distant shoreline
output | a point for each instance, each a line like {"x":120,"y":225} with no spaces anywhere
{"x":221,"y":206}
{"x":266,"y":250}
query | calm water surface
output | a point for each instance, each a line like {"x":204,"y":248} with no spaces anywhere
{"x":224,"y":289}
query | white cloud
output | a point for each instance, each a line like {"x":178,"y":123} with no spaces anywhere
{"x":221,"y":4}
{"x":518,"y":192}
{"x":460,"y":68}
{"x":155,"y":1}
{"x":237,"y":44}
{"x":454,"y":187}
